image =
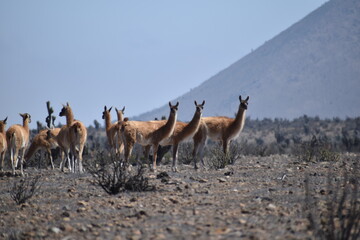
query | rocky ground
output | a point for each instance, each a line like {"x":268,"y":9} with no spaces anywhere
{"x":256,"y":198}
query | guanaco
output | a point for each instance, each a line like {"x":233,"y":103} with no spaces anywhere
{"x":17,"y":137}
{"x":222,"y":129}
{"x":182,"y":132}
{"x":3,"y":142}
{"x":41,"y":141}
{"x":148,"y":134}
{"x":77,"y":135}
{"x":114,"y":139}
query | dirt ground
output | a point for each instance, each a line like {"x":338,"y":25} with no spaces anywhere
{"x":256,"y":198}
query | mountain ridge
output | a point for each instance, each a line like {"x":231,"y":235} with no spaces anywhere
{"x":311,"y":68}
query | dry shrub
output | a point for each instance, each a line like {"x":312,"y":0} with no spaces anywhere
{"x":316,"y":150}
{"x":185,"y":152}
{"x":113,"y":176}
{"x":24,"y":189}
{"x":338,"y":217}
{"x":218,"y":159}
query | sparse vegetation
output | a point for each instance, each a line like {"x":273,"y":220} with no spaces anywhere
{"x":113,"y":176}
{"x":218,"y":159}
{"x":338,"y":215}
{"x":24,"y":189}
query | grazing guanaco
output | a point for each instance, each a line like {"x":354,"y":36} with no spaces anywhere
{"x":41,"y":141}
{"x":3,"y":142}
{"x":148,"y":134}
{"x":182,"y":132}
{"x":17,"y":137}
{"x":222,"y":129}
{"x":114,"y":139}
{"x":77,"y":136}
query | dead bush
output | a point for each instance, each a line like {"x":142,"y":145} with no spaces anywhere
{"x":316,"y":150}
{"x":113,"y":176}
{"x":24,"y":189}
{"x":218,"y":159}
{"x":185,"y":153}
{"x":338,"y":216}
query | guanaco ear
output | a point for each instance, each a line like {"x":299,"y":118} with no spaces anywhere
{"x":22,"y":115}
{"x":247,"y":99}
{"x":195,"y":103}
{"x":105,"y":108}
{"x":169,"y":104}
{"x":240,"y":98}
{"x":203,"y":103}
{"x":177,"y":104}
{"x":123,"y":109}
{"x":110,"y":109}
{"x":5,"y":120}
{"x":67,"y":104}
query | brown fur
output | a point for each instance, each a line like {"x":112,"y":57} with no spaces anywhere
{"x":114,"y":139}
{"x":120,"y":115}
{"x":222,"y":129}
{"x":148,"y":134}
{"x":77,"y":134}
{"x":41,"y":141}
{"x":3,"y":142}
{"x":17,"y":137}
{"x":183,"y":131}
{"x":62,"y":139}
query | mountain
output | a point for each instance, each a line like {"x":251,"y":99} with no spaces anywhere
{"x":311,"y":68}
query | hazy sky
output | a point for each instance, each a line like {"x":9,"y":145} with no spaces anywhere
{"x":139,"y":54}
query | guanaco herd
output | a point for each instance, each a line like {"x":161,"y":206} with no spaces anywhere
{"x":121,"y":135}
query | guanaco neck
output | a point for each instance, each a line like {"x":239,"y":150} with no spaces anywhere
{"x":26,"y":124}
{"x":107,"y":120}
{"x":2,"y":127}
{"x":170,"y":124}
{"x":195,"y":121}
{"x":69,"y":117}
{"x":120,"y":116}
{"x":239,"y":121}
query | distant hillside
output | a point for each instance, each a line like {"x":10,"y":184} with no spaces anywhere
{"x":311,"y":68}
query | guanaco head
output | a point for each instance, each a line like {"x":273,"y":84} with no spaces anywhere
{"x":174,"y":108}
{"x":106,"y":112}
{"x":26,"y":117}
{"x":199,"y":107}
{"x":121,"y":125}
{"x":49,"y":135}
{"x":65,"y":110}
{"x":3,"y":122}
{"x":120,"y":113}
{"x":3,"y":125}
{"x":244,"y":103}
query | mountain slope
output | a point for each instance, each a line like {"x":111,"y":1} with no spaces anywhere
{"x":311,"y":68}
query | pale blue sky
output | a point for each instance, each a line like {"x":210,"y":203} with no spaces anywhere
{"x":138,"y":54}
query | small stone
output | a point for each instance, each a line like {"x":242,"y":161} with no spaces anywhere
{"x":66,"y":227}
{"x":81,"y":209}
{"x":222,"y":180}
{"x":65,"y":214}
{"x":83,"y":203}
{"x":118,"y":237}
{"x":223,"y":230}
{"x":55,"y":230}
{"x":271,"y":207}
